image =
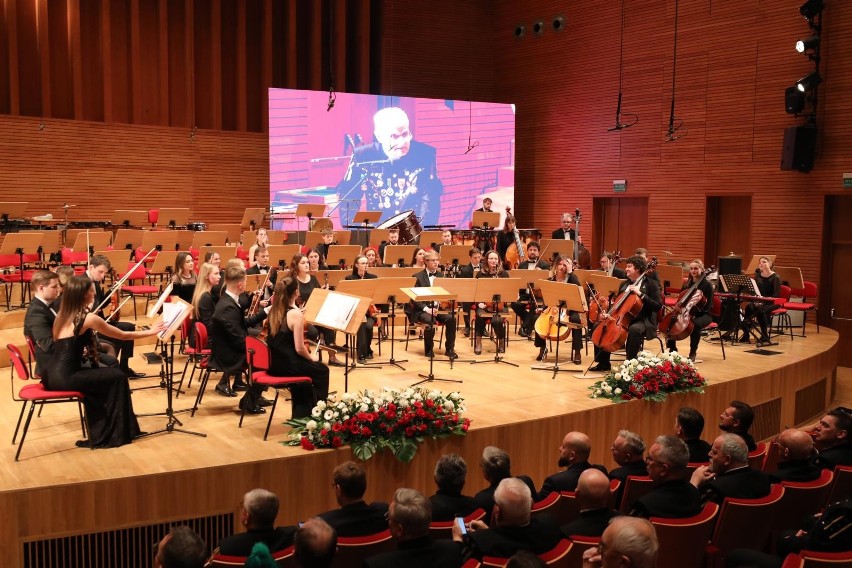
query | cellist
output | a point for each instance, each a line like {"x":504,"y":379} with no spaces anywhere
{"x":564,"y":273}
{"x":644,"y":326}
{"x":701,"y":318}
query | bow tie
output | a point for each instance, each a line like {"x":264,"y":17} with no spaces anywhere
{"x":431,"y":274}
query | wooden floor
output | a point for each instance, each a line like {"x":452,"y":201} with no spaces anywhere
{"x":515,"y":408}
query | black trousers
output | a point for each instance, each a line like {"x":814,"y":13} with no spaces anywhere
{"x":429,"y":335}
{"x":635,"y":341}
{"x":699,"y":322}
{"x":123,"y":347}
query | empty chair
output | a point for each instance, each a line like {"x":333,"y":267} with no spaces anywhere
{"x":808,"y":291}
{"x":757,"y":457}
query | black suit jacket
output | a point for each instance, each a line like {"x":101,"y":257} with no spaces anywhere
{"x":241,"y":544}
{"x":358,"y":519}
{"x":419,"y":553}
{"x":485,"y":498}
{"x":838,"y":455}
{"x":565,"y":480}
{"x":652,"y":301}
{"x":560,"y":234}
{"x":699,"y":450}
{"x":618,"y":273}
{"x":539,"y":536}
{"x":228,"y":334}
{"x":421,"y":280}
{"x":796,"y":470}
{"x":621,"y":474}
{"x":446,"y":506}
{"x":38,"y":326}
{"x":591,"y":522}
{"x":466,"y":271}
{"x":676,"y":499}
{"x":743,"y":483}
{"x":525,"y":265}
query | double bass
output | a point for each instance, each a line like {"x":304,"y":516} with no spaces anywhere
{"x":678,"y":324}
{"x":515,"y":252}
{"x":582,"y":256}
{"x":611,"y":334}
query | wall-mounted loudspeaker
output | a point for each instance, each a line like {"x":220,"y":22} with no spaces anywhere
{"x":558,"y":23}
{"x":799,"y":148}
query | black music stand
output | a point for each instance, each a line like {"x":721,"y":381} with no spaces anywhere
{"x":431,"y":294}
{"x":310,"y":211}
{"x":494,"y":290}
{"x":742,"y":284}
{"x":568,"y":298}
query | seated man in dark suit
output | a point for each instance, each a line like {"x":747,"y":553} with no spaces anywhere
{"x":737,"y":419}
{"x":688,"y":427}
{"x":496,"y":466}
{"x":797,"y":457}
{"x":729,"y":474}
{"x":408,"y":518}
{"x":259,"y":510}
{"x":511,"y":527}
{"x":573,"y":455}
{"x":448,"y":502}
{"x":38,"y":322}
{"x":672,"y":496}
{"x":315,"y":544}
{"x":833,"y":438}
{"x":593,"y":499}
{"x":628,"y":451}
{"x":354,"y":517}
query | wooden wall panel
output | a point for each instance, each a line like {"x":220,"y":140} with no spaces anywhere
{"x":5,"y":60}
{"x":92,"y":72}
{"x":27,"y":60}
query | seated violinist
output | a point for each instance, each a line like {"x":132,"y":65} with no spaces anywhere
{"x":607,"y":262}
{"x":701,"y":317}
{"x":564,"y":273}
{"x":492,"y":269}
{"x":533,"y":259}
{"x":644,"y":325}
{"x":365,"y":331}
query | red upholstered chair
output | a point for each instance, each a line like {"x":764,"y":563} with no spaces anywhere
{"x":257,"y":354}
{"x":757,"y":457}
{"x":742,"y":524}
{"x":196,"y":353}
{"x":549,"y":504}
{"x":779,"y":317}
{"x":841,"y":487}
{"x":472,"y":563}
{"x":635,"y":487}
{"x":352,"y":551}
{"x":153,"y":216}
{"x":140,"y":289}
{"x":444,"y":529}
{"x":801,"y":498}
{"x":10,"y":263}
{"x":581,"y":545}
{"x":773,"y":456}
{"x":283,"y":558}
{"x":560,"y":556}
{"x":808,"y":291}
{"x":36,"y":394}
{"x":814,"y":559}
{"x":682,"y":541}
{"x":716,"y":313}
{"x":68,"y":257}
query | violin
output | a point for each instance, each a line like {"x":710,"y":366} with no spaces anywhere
{"x":678,"y":323}
{"x":598,"y":306}
{"x":611,"y":334}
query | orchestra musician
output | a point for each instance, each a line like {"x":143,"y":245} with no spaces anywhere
{"x":261,"y":240}
{"x":644,"y":325}
{"x":365,"y":332}
{"x":393,"y":239}
{"x":769,"y":284}
{"x":506,"y":237}
{"x":38,"y":322}
{"x":533,"y":259}
{"x":446,"y":239}
{"x":522,"y":306}
{"x":643,"y":252}
{"x":327,"y":241}
{"x":492,"y":269}
{"x":372,"y":257}
{"x":260,"y":265}
{"x":300,"y":269}
{"x":316,"y":261}
{"x":426,"y":312}
{"x":214,"y":258}
{"x":183,"y":277}
{"x":288,"y":354}
{"x":608,"y":265}
{"x":567,"y":230}
{"x":203,"y":302}
{"x":469,"y":271}
{"x":702,"y":318}
{"x":564,"y":272}
{"x":417,"y":259}
{"x":486,"y":205}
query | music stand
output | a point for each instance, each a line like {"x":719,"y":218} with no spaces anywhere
{"x":429,"y":238}
{"x":331,"y":277}
{"x":119,"y":260}
{"x":234,"y":230}
{"x":387,"y":290}
{"x":279,"y":253}
{"x":755,"y":261}
{"x":174,"y":313}
{"x":367,"y":289}
{"x":130,"y":239}
{"x":95,"y":241}
{"x":567,"y":298}
{"x":164,"y":263}
{"x":395,"y":253}
{"x":173,"y":217}
{"x":226,"y":252}
{"x":309,"y":211}
{"x":378,"y":236}
{"x":366,"y":219}
{"x":486,"y":219}
{"x":455,"y":255}
{"x":495,"y":290}
{"x":389,"y":272}
{"x":556,"y":247}
{"x":337,"y":311}
{"x":670,"y":277}
{"x":252,"y":217}
{"x":343,"y":237}
{"x":129,"y":218}
{"x":28,"y":242}
{"x":162,"y":240}
{"x":743,"y":284}
{"x":312,"y":239}
{"x":208,"y":238}
{"x":342,"y":255}
{"x":603,"y":284}
{"x":430,"y":294}
{"x":792,"y":275}
{"x":465,"y":291}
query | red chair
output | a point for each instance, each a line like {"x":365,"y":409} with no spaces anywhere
{"x":716,"y":313}
{"x":581,"y":545}
{"x":814,"y":559}
{"x":16,"y":276}
{"x":142,"y":289}
{"x":557,"y":556}
{"x":36,"y":394}
{"x":444,"y":529}
{"x":257,"y":354}
{"x":841,"y":487}
{"x":352,"y":551}
{"x":682,"y":541}
{"x":758,"y":455}
{"x":153,"y":217}
{"x":778,"y":316}
{"x":69,"y":257}
{"x":196,"y":353}
{"x":549,"y":504}
{"x":742,"y":524}
{"x":282,"y":558}
{"x":808,"y":291}
{"x":801,"y":499}
{"x":635,"y":487}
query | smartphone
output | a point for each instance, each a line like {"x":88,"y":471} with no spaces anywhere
{"x":460,"y":523}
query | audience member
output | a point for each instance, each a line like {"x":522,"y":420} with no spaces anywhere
{"x":525,"y":559}
{"x":593,"y":500}
{"x":729,"y":474}
{"x":409,"y":516}
{"x":315,"y":544}
{"x":511,"y":528}
{"x":574,"y":456}
{"x":259,"y":510}
{"x":737,"y":419}
{"x":628,"y":451}
{"x":354,"y":517}
{"x":181,"y":548}
{"x":689,"y":425}
{"x":832,"y":438}
{"x":796,"y":462}
{"x":672,"y":495}
{"x":496,"y":467}
{"x":260,"y":557}
{"x":448,"y":502}
{"x":627,"y":542}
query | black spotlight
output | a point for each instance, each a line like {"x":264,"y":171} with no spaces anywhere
{"x":810,"y":9}
{"x":558,"y":23}
{"x":538,"y":28}
{"x":808,"y":82}
{"x":808,"y":44}
{"x":794,"y":100}
{"x":520,"y":31}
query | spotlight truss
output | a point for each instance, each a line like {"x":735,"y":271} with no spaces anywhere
{"x":801,"y":98}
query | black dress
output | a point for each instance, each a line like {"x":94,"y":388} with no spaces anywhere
{"x":184,"y":288}
{"x":109,"y":408}
{"x":285,"y":361}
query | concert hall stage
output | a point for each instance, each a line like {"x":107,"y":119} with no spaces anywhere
{"x":58,"y":491}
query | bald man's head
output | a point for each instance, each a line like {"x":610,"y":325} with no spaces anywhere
{"x":592,"y":489}
{"x":796,"y":444}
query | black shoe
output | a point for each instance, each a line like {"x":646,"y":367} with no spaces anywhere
{"x":239,"y":386}
{"x":542,"y":354}
{"x":369,"y":355}
{"x":430,"y":354}
{"x":255,"y":410}
{"x":764,"y":339}
{"x":82,"y":444}
{"x":524,"y":332}
{"x":744,"y":339}
{"x":466,"y":332}
{"x":262,"y":401}
{"x":131,"y":374}
{"x":692,"y":356}
{"x":452,"y":354}
{"x":225,"y":390}
{"x":362,"y":360}
{"x":335,"y":363}
{"x":600,"y":367}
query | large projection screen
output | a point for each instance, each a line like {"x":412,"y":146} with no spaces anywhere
{"x":360,"y":155}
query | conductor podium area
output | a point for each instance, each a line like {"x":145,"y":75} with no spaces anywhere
{"x":65,"y":506}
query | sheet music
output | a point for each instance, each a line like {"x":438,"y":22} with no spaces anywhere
{"x":756,"y":289}
{"x":172,"y":312}
{"x":336,"y":311}
{"x":160,"y":301}
{"x":422,"y":291}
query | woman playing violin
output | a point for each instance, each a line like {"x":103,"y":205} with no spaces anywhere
{"x":288,"y":354}
{"x":183,"y":277}
{"x":564,"y":272}
{"x":307,"y":282}
{"x":203,"y":302}
{"x":769,"y":285}
{"x":492,"y":269}
{"x":701,"y":318}
{"x":365,"y":332}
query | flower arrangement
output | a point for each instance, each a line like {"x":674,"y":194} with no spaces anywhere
{"x":392,"y":419}
{"x":650,"y":377}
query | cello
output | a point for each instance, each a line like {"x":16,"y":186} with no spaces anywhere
{"x":678,"y":324}
{"x":611,"y":334}
{"x":515,"y":251}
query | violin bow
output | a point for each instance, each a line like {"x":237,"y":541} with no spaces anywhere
{"x":117,"y":285}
